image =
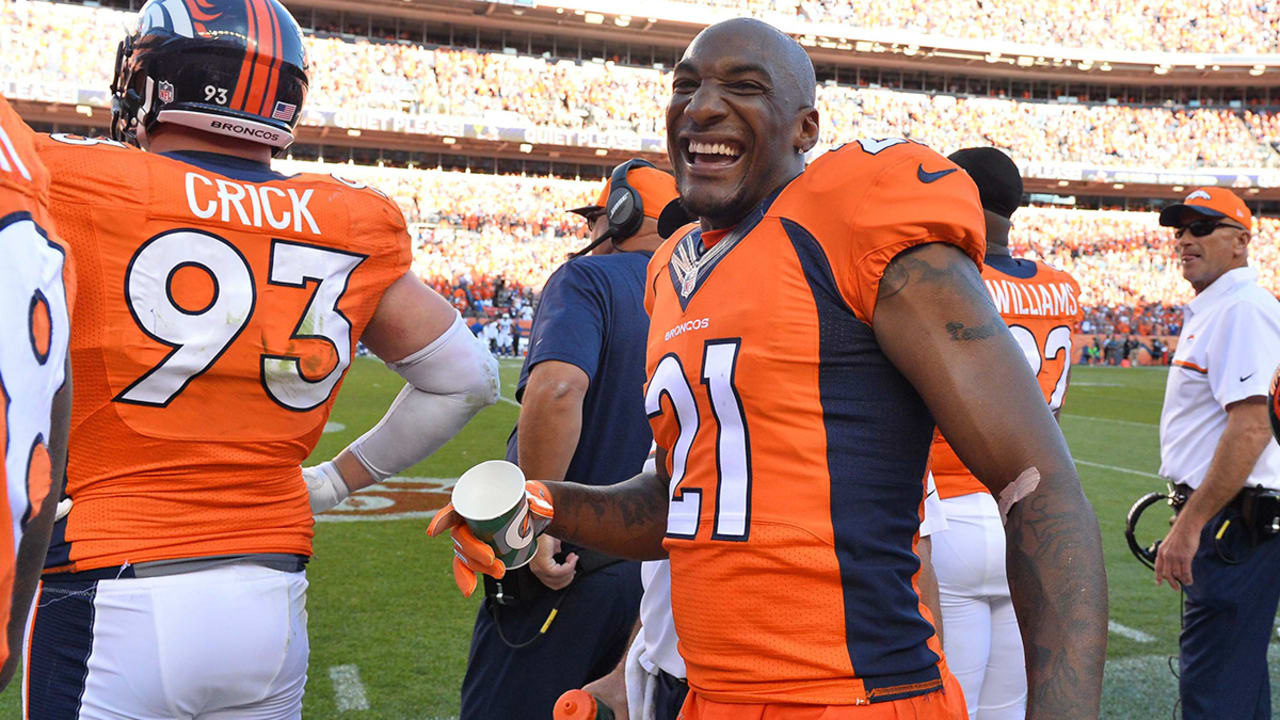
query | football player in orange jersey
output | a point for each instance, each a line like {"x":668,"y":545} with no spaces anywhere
{"x":221,"y":305}
{"x":803,"y":338}
{"x":36,"y":289}
{"x":1041,"y":307}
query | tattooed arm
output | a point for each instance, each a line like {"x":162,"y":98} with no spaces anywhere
{"x":626,"y":520}
{"x":937,"y":324}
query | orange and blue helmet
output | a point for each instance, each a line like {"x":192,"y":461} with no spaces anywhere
{"x":229,"y":67}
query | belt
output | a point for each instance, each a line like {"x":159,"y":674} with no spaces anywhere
{"x":1185,"y":491}
{"x":159,"y":568}
{"x":671,"y":681}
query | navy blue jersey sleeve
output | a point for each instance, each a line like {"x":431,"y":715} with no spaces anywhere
{"x":569,"y":324}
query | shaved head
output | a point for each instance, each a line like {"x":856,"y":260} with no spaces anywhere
{"x":741,"y":118}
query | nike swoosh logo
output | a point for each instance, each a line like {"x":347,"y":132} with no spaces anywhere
{"x":1246,"y":377}
{"x":928,"y":177}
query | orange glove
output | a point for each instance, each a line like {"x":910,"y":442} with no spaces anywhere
{"x":472,"y":555}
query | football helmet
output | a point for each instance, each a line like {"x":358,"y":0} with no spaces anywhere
{"x":231,"y":67}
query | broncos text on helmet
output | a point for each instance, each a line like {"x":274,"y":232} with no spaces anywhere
{"x":230,"y":67}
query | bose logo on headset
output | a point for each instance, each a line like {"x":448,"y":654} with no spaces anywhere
{"x":624,"y":209}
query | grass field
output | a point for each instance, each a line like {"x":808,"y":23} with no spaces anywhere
{"x":389,"y":631}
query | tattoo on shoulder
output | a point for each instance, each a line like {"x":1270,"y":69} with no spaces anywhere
{"x":927,"y":265}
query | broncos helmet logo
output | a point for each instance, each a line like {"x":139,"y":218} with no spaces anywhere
{"x":185,"y":18}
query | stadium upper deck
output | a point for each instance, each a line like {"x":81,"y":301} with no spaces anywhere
{"x":1115,"y":29}
{"x":415,"y":94}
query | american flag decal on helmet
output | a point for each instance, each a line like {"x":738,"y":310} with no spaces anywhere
{"x":284,"y":111}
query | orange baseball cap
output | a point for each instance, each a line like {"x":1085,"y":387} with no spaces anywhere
{"x":656,"y":188}
{"x":1212,"y":202}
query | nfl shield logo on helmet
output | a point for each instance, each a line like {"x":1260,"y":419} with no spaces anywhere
{"x":166,"y":92}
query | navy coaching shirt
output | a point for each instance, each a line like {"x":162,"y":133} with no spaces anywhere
{"x":591,"y":315}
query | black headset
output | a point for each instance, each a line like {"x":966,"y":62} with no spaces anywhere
{"x":624,"y":208}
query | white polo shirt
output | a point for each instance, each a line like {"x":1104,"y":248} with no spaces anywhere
{"x":1228,"y":350}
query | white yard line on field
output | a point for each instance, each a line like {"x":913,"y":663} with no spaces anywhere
{"x":508,"y":400}
{"x":1117,"y":468}
{"x":1128,"y":632}
{"x":348,"y":691}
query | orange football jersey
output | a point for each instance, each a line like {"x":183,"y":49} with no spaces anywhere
{"x":36,"y":285}
{"x":221,"y":307}
{"x":1041,"y":306}
{"x":795,"y":448}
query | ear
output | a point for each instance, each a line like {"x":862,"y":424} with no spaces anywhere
{"x":1242,"y":241}
{"x":807,"y":131}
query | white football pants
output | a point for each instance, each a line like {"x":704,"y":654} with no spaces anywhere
{"x":979,"y":630}
{"x":228,"y":642}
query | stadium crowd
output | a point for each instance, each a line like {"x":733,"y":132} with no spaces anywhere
{"x":486,"y":240}
{"x":1130,"y":278}
{"x":1209,"y":26}
{"x":55,"y":42}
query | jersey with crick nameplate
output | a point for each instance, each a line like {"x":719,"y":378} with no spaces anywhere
{"x":222,"y":305}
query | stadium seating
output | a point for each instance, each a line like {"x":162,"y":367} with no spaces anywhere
{"x":470,"y":230}
{"x":1210,"y":26}
{"x":483,"y":239}
{"x":67,"y":45}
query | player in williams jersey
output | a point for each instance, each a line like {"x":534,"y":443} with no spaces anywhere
{"x":221,"y":305}
{"x":36,"y":288}
{"x":1041,"y":307}
{"x":803,"y":338}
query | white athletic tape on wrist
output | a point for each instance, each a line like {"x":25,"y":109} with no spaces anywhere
{"x":325,"y":486}
{"x":1026,"y":484}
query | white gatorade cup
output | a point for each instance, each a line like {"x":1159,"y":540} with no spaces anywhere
{"x":491,"y":498}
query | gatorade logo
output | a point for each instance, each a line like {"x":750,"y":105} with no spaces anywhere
{"x":519,"y":531}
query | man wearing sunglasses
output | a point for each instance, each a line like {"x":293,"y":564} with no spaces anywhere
{"x":1216,"y":448}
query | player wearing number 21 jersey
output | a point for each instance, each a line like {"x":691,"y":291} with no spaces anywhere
{"x":797,"y":451}
{"x":222,"y":304}
{"x":36,"y":288}
{"x":803,"y":339}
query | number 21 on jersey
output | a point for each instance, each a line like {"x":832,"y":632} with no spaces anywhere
{"x":198,"y":336}
{"x":732,"y":443}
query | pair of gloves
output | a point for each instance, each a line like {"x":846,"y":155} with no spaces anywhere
{"x":472,"y":555}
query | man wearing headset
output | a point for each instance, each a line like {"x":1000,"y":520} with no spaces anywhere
{"x":564,"y":620}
